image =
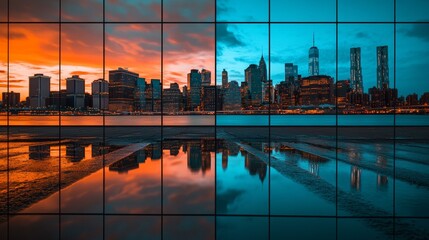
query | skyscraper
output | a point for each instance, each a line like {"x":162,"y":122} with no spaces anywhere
{"x":224,"y":78}
{"x":100,"y":94}
{"x":291,"y":72}
{"x":382,"y":67}
{"x":206,"y":77}
{"x":356,"y":70}
{"x":75,"y":92}
{"x":11,"y":99}
{"x":253,"y":80}
{"x":39,"y":89}
{"x":313,"y":60}
{"x":263,"y":69}
{"x":194,"y":88}
{"x":122,"y":84}
{"x":139,"y":95}
{"x":232,"y":98}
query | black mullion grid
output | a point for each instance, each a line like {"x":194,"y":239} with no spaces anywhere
{"x":269,"y":118}
{"x":212,"y":22}
{"x":162,"y":119}
{"x":394,"y":122}
{"x":104,"y":119}
{"x":59,"y":121}
{"x":215,"y":116}
{"x":7,"y":125}
{"x":336,"y":119}
{"x":218,"y":214}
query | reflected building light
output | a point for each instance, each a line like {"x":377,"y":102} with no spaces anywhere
{"x":39,"y":152}
{"x":313,"y":168}
{"x":75,"y":152}
{"x":382,"y":181}
{"x":224,"y":159}
{"x":355,"y":179}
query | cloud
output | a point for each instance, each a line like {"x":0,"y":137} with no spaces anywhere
{"x":80,"y":73}
{"x":227,"y":37}
{"x":420,"y":31}
{"x":189,"y":11}
{"x":362,"y":35}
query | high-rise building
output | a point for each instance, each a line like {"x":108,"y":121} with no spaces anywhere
{"x":254,"y":83}
{"x":231,"y":97}
{"x":40,"y":87}
{"x":313,"y":60}
{"x":317,"y":90}
{"x":139,"y":95}
{"x":194,"y":88}
{"x":208,"y":96}
{"x":382,"y":67}
{"x":11,"y":99}
{"x":224,"y":78}
{"x":172,"y":99}
{"x":356,"y":70}
{"x":156,"y":94}
{"x":100,"y":94}
{"x":75,"y":87}
{"x":122,"y":84}
{"x":206,"y":77}
{"x":263,"y":69}
{"x":291,"y":72}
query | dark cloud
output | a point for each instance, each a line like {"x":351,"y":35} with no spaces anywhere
{"x":187,"y":38}
{"x":227,"y":37}
{"x":130,"y":10}
{"x":4,"y":85}
{"x":362,"y":35}
{"x":16,"y":35}
{"x":420,"y":31}
{"x":189,"y":11}
{"x":2,"y":71}
{"x":30,"y":10}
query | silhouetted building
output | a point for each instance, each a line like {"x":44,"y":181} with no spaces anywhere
{"x":139,"y":95}
{"x":57,"y":99}
{"x":208,"y":98}
{"x":382,"y":68}
{"x":122,"y":84}
{"x":382,"y":97}
{"x":100,"y":94}
{"x":313,"y":60}
{"x":39,"y":152}
{"x":356,"y":70}
{"x":424,"y":99}
{"x":224,"y":78}
{"x":194,"y":85}
{"x":75,"y":92}
{"x":232,"y":99}
{"x":172,"y":99}
{"x":343,"y":88}
{"x":206,"y":77}
{"x":11,"y":99}
{"x":316,"y":90}
{"x":412,"y":100}
{"x":291,"y":72}
{"x":39,"y":89}
{"x":254,"y":84}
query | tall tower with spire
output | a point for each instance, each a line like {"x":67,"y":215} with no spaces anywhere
{"x":263,"y":68}
{"x":313,"y":60}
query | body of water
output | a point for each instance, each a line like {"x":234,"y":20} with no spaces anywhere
{"x":220,"y":120}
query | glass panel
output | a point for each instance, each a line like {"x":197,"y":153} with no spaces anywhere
{"x":33,"y":227}
{"x":133,"y":11}
{"x":188,"y":168}
{"x":188,"y":227}
{"x":302,"y":228}
{"x":303,"y":80}
{"x":81,"y":227}
{"x":187,"y":11}
{"x":303,"y":171}
{"x":240,"y":52}
{"x":365,"y":11}
{"x":242,"y":170}
{"x":34,"y":11}
{"x":365,"y":228}
{"x":134,"y":88}
{"x":411,"y":10}
{"x":3,"y":10}
{"x":242,"y":228}
{"x":308,"y":11}
{"x":236,"y":11}
{"x":82,"y":11}
{"x":133,"y":227}
{"x":133,"y":170}
{"x":188,"y":62}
